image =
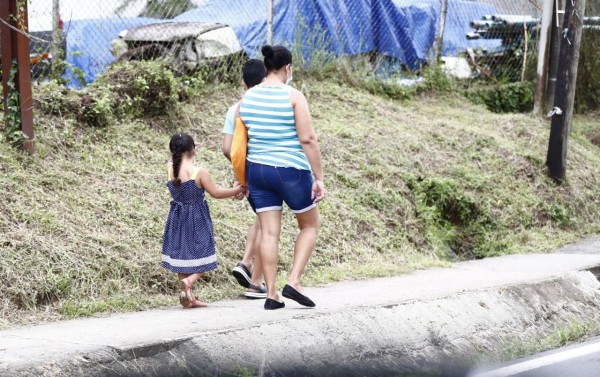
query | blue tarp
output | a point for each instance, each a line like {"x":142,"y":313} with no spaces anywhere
{"x":89,"y":45}
{"x":402,"y":30}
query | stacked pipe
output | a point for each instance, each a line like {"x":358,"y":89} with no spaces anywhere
{"x":501,"y":26}
{"x":508,"y":26}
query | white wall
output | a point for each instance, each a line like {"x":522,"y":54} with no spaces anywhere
{"x":40,"y":11}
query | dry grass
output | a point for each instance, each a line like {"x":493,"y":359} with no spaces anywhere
{"x":82,"y":219}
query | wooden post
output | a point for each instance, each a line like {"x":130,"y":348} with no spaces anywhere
{"x":15,"y":47}
{"x":440,"y":38}
{"x":543,"y":52}
{"x":565,"y":89}
{"x":55,"y":46}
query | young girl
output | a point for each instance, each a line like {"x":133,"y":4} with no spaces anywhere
{"x":188,"y":241}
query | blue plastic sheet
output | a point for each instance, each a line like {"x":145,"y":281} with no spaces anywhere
{"x":402,"y":30}
{"x":89,"y":45}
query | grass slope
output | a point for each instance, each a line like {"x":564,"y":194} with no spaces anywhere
{"x":411,"y":185}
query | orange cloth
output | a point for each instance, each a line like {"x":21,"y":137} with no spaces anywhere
{"x":239,"y":148}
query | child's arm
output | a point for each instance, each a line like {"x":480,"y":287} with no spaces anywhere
{"x":203,"y":180}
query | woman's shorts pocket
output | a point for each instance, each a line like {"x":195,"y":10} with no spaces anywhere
{"x":289,"y":177}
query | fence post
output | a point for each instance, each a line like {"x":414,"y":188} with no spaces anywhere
{"x":565,"y":89}
{"x":18,"y":43}
{"x":440,"y":38}
{"x":6,"y":45}
{"x":55,"y":46}
{"x":270,"y":21}
{"x":543,"y":52}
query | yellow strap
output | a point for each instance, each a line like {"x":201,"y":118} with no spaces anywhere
{"x":170,"y":173}
{"x":194,"y":173}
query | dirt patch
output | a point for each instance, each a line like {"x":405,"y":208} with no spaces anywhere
{"x":594,"y":137}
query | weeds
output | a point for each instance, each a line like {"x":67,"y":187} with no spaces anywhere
{"x":568,"y":334}
{"x":129,"y":90}
{"x":12,"y":118}
{"x":515,"y":97}
{"x":139,"y":89}
{"x":411,"y":184}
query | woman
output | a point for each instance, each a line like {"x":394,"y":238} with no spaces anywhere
{"x":282,"y":152}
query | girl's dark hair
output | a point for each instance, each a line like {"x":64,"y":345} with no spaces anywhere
{"x":276,"y":57}
{"x":180,"y":143}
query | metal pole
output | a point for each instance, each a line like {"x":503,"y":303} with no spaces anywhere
{"x":442,"y":27}
{"x":270,"y":22}
{"x":565,"y":89}
{"x":543,"y":52}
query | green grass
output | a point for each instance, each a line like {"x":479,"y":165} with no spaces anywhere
{"x":561,"y":337}
{"x":412,"y":184}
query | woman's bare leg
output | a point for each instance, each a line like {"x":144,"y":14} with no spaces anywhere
{"x":270,"y":227}
{"x":257,"y":270}
{"x":309,"y":223}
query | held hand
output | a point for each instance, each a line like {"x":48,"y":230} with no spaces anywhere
{"x":318,"y":191}
{"x":240,"y":193}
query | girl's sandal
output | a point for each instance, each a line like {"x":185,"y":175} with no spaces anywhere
{"x":198,"y":304}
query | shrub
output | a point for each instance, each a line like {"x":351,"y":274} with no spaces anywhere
{"x":587,"y":93}
{"x":505,"y":98}
{"x":130,"y":89}
{"x":88,"y":106}
{"x":97,"y":107}
{"x":146,"y":88}
{"x":451,"y":216}
{"x":56,"y":99}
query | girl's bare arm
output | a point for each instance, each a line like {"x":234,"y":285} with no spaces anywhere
{"x":205,"y":181}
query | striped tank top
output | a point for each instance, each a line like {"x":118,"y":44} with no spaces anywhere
{"x":272,"y":137}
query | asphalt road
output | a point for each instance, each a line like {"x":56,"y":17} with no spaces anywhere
{"x":579,"y":360}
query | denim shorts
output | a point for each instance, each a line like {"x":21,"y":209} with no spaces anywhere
{"x":252,"y":205}
{"x":271,"y":186}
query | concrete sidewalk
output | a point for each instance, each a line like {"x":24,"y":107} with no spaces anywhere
{"x":56,"y":348}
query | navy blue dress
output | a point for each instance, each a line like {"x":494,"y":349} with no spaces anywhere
{"x":188,"y":240}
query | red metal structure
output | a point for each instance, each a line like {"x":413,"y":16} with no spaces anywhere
{"x":14,"y":42}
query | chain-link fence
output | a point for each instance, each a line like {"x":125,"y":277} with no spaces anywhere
{"x":496,"y":39}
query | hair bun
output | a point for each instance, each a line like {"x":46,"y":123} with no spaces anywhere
{"x":267,"y":51}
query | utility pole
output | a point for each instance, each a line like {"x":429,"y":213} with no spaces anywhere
{"x":543,"y":52}
{"x":565,"y":89}
{"x":555,"y":39}
{"x":270,"y":12}
{"x":15,"y":48}
{"x":440,"y":38}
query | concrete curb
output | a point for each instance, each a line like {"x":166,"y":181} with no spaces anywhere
{"x":442,"y":335}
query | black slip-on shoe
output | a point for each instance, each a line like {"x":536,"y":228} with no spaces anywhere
{"x":271,"y":304}
{"x":242,"y":274}
{"x":292,"y":294}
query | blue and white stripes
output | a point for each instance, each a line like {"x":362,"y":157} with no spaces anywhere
{"x":269,"y":116}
